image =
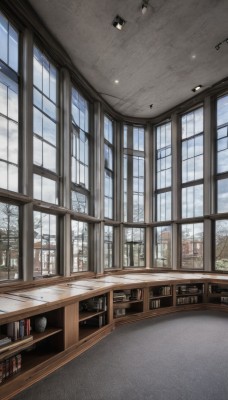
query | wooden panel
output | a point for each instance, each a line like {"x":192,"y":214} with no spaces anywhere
{"x":71,"y":327}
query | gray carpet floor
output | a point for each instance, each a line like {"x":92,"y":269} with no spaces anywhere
{"x":177,"y":357}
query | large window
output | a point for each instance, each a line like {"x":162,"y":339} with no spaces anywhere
{"x":192,"y":246}
{"x":163,"y":172}
{"x":9,"y":137}
{"x":80,"y":153}
{"x":133,"y":174}
{"x":108,"y":168}
{"x":9,"y":241}
{"x":222,"y":154}
{"x":133,"y":247}
{"x":45,"y":138}
{"x":79,"y":246}
{"x":45,"y":244}
{"x":192,"y":163}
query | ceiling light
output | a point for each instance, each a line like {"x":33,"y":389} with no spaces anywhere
{"x":198,"y":87}
{"x":118,"y":22}
{"x":116,"y":81}
{"x":144,"y":7}
{"x":151,"y":106}
{"x":193,"y":56}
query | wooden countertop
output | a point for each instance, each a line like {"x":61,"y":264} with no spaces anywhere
{"x":28,"y":302}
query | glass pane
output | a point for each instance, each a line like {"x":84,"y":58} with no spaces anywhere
{"x":198,"y":120}
{"x":192,"y":201}
{"x":164,"y":206}
{"x":37,"y":122}
{"x":45,"y":249}
{"x":49,"y":157}
{"x":3,"y":138}
{"x":222,"y":195}
{"x":162,"y":247}
{"x":108,"y":246}
{"x":13,"y":48}
{"x":37,"y":152}
{"x":49,"y":108}
{"x":192,"y":246}
{"x":37,"y":187}
{"x":221,"y":246}
{"x":13,"y":142}
{"x":79,"y":202}
{"x":222,"y":110}
{"x":133,"y":251}
{"x":222,"y":164}
{"x":3,"y":38}
{"x":49,"y":191}
{"x":37,"y":68}
{"x":3,"y":99}
{"x":3,"y":174}
{"x":49,"y":129}
{"x":12,"y":105}
{"x":44,"y":189}
{"x":9,"y":241}
{"x":46,"y":77}
{"x":13,"y":178}
{"x":53,"y":83}
{"x":79,"y":246}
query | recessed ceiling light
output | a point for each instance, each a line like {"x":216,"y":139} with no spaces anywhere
{"x":116,"y":81}
{"x":118,"y":22}
{"x":193,"y":56}
{"x":198,"y":87}
{"x":144,"y":7}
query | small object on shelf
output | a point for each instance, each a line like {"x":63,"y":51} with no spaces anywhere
{"x":119,"y":312}
{"x":40,"y":324}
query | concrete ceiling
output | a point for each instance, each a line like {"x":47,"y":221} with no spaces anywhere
{"x":157,"y":57}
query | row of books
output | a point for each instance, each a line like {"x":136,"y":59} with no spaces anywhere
{"x":155,"y":304}
{"x":18,"y":329}
{"x":161,"y":291}
{"x":9,"y":367}
{"x":187,"y":300}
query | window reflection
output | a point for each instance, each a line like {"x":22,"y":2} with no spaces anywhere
{"x":221,"y":246}
{"x":192,"y":201}
{"x":9,"y":241}
{"x":222,"y":194}
{"x":45,"y":248}
{"x":192,"y":246}
{"x":162,"y":247}
{"x":108,"y":246}
{"x":79,"y":246}
{"x":133,"y":251}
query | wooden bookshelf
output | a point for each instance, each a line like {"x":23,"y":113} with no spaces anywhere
{"x":79,"y":313}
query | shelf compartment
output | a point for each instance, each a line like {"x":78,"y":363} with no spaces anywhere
{"x":160,"y":302}
{"x":83,"y":316}
{"x":37,"y":337}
